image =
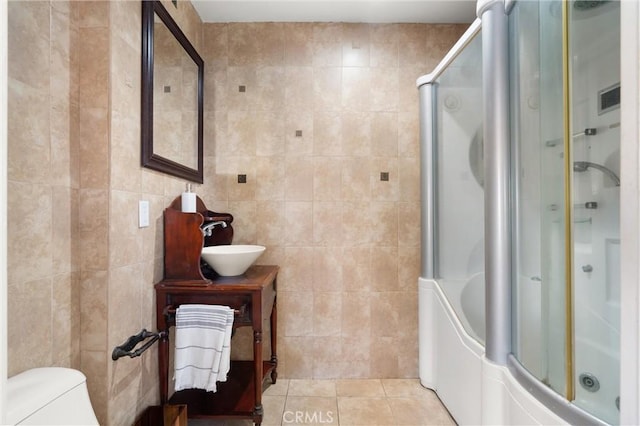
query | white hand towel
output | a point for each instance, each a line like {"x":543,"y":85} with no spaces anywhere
{"x":203,"y":346}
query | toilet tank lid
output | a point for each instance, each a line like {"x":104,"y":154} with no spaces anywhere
{"x":31,"y":390}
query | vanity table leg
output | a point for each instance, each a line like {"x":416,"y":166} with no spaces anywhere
{"x":257,"y":365}
{"x":274,"y":335}
{"x":163,"y":367}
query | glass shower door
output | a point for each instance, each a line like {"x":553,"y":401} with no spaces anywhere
{"x":565,"y":75}
{"x":594,"y":52}
{"x":459,"y":192}
{"x":539,"y":298}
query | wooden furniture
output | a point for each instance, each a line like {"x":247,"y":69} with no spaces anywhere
{"x":166,"y":415}
{"x":251,"y":295}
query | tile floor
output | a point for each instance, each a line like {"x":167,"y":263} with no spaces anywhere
{"x":387,"y":402}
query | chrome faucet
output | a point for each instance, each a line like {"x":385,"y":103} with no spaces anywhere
{"x":208,"y":228}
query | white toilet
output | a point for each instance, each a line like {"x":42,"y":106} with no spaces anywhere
{"x":49,"y":396}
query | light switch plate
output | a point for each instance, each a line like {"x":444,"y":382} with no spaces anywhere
{"x":143,"y":214}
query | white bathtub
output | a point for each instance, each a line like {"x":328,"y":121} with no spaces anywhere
{"x":452,"y":363}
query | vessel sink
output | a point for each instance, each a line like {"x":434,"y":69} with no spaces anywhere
{"x":229,"y":261}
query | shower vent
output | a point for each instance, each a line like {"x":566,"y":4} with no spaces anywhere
{"x":609,"y":99}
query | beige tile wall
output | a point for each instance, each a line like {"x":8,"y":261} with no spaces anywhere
{"x":347,"y":242}
{"x":81,"y":272}
{"x":43,"y":186}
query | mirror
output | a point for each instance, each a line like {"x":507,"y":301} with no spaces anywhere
{"x":172,"y":90}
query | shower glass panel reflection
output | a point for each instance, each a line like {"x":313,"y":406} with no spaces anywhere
{"x":459,"y":187}
{"x":566,"y":156}
{"x":594,"y":49}
{"x":539,"y":272}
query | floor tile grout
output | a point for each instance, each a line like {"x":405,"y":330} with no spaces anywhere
{"x":345,"y":402}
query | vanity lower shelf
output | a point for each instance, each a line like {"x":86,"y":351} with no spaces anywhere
{"x":233,"y":399}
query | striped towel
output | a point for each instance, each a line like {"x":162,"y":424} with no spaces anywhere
{"x":203,"y":346}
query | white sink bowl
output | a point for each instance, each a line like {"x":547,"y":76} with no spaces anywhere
{"x":229,"y":261}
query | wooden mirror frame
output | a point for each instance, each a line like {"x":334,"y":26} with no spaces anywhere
{"x":149,"y":158}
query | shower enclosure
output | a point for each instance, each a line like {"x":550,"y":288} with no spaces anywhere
{"x":539,"y":148}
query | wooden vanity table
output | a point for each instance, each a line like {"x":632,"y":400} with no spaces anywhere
{"x":252,"y":296}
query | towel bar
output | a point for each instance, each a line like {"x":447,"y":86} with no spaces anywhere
{"x":126,"y":349}
{"x":170,"y":311}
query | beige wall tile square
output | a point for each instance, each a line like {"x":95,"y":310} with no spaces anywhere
{"x":297,"y":269}
{"x":327,"y":314}
{"x":64,"y":222}
{"x":270,"y":42}
{"x":215,"y":49}
{"x":297,"y":313}
{"x":30,"y":204}
{"x":93,"y":14}
{"x":299,"y":218}
{"x":29,"y":43}
{"x":385,"y":313}
{"x":356,"y":179}
{"x":407,"y":93}
{"x":355,"y":45}
{"x":94,"y":152}
{"x":298,"y":88}
{"x":356,"y":88}
{"x":94,"y":365}
{"x":357,"y":223}
{"x":298,"y":44}
{"x":384,"y":268}
{"x":356,"y":313}
{"x":298,"y":179}
{"x":327,"y":134}
{"x":409,"y":224}
{"x":270,"y":133}
{"x":327,"y":53}
{"x":327,"y":179}
{"x":327,"y":226}
{"x":327,"y":276}
{"x":384,"y":89}
{"x":327,"y":88}
{"x":31,"y":303}
{"x":93,"y":310}
{"x":357,"y":133}
{"x":125,"y":289}
{"x":408,"y":135}
{"x":384,"y":357}
{"x":408,"y":267}
{"x":28,"y":132}
{"x":299,"y":144}
{"x":270,"y":88}
{"x":271,"y":222}
{"x":356,"y":269}
{"x":298,"y":357}
{"x":237,"y":76}
{"x":241,"y":135}
{"x":242,"y":44}
{"x":270,"y":176}
{"x":384,"y":134}
{"x":94,"y":67}
{"x":94,"y":250}
{"x":385,"y":216}
{"x":244,"y":221}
